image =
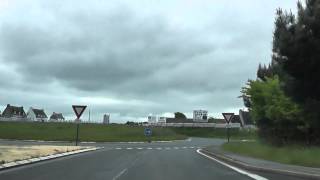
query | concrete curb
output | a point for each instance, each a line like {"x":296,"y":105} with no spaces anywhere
{"x":249,"y":167}
{"x":43,"y":158}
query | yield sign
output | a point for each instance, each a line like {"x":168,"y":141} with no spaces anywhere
{"x":78,"y":110}
{"x":228,"y":116}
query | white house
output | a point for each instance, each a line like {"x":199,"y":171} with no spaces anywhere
{"x":162,"y":120}
{"x":36,"y":115}
{"x":200,"y":116}
{"x":152,"y":119}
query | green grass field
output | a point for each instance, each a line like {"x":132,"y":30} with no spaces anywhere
{"x":296,"y":155}
{"x":110,"y":133}
{"x":87,"y":132}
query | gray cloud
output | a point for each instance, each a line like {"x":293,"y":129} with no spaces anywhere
{"x":122,"y":54}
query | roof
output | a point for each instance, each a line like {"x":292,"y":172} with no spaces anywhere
{"x":179,"y":120}
{"x":56,"y":116}
{"x":39,"y":113}
{"x":13,"y":111}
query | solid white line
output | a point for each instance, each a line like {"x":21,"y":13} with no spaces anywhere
{"x":120,"y":174}
{"x":254,"y":176}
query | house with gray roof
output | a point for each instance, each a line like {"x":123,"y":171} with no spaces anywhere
{"x":36,"y":115}
{"x":14,"y":113}
{"x":56,"y":117}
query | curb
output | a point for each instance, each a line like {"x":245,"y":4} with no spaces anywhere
{"x":43,"y":158}
{"x":256,"y":168}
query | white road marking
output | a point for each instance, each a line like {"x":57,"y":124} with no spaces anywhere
{"x":168,"y":148}
{"x":184,"y":147}
{"x":191,"y":147}
{"x":139,"y":148}
{"x":176,"y":148}
{"x":159,"y":148}
{"x":120,"y":174}
{"x":149,"y":148}
{"x":254,"y":176}
{"x":129,"y":148}
{"x":118,"y":148}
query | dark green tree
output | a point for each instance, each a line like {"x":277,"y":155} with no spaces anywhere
{"x":296,"y":48}
{"x":179,"y":115}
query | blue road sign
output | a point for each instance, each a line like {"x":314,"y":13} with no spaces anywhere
{"x":147,"y":132}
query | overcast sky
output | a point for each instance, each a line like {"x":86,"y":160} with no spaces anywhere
{"x":132,"y":58}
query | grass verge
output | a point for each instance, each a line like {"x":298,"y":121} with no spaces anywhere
{"x":87,"y":132}
{"x":216,"y":133}
{"x":294,"y":154}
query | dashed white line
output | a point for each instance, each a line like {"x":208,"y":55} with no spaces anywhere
{"x":184,"y":147}
{"x":159,"y":148}
{"x":254,"y":176}
{"x":119,"y":174}
{"x":118,"y":148}
{"x":139,"y":148}
{"x":176,"y":148}
{"x":149,"y":148}
{"x":129,"y":148}
{"x":168,"y":148}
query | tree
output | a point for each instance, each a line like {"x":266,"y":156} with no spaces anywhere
{"x":296,"y":48}
{"x":179,"y":115}
{"x":276,"y":115}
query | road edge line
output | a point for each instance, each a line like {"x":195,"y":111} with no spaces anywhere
{"x":243,"y":172}
{"x":268,"y":170}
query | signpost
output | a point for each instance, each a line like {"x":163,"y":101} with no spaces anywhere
{"x":78,"y":110}
{"x":227,"y":118}
{"x":148,"y":133}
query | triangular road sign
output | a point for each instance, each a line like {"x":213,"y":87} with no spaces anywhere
{"x":228,"y":116}
{"x":78,"y":110}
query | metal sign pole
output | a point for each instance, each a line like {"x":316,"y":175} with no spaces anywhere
{"x":77,"y":136}
{"x":228,"y":133}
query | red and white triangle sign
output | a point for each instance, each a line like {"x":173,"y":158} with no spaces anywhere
{"x":228,"y":116}
{"x":78,"y":110}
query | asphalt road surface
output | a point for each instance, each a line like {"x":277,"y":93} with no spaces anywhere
{"x":134,"y":161}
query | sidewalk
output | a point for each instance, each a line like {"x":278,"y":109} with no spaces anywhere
{"x":249,"y":163}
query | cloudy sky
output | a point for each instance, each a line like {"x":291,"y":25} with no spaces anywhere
{"x":132,"y":58}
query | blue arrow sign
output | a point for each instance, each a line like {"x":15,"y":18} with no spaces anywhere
{"x":147,"y":132}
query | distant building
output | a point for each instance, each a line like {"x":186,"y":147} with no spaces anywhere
{"x":14,"y":113}
{"x":236,"y":119}
{"x":245,"y":118}
{"x":162,"y":120}
{"x":200,"y":116}
{"x":152,"y":119}
{"x":36,"y":115}
{"x":56,"y":117}
{"x":106,"y":119}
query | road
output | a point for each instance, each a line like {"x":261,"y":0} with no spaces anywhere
{"x":134,"y":161}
